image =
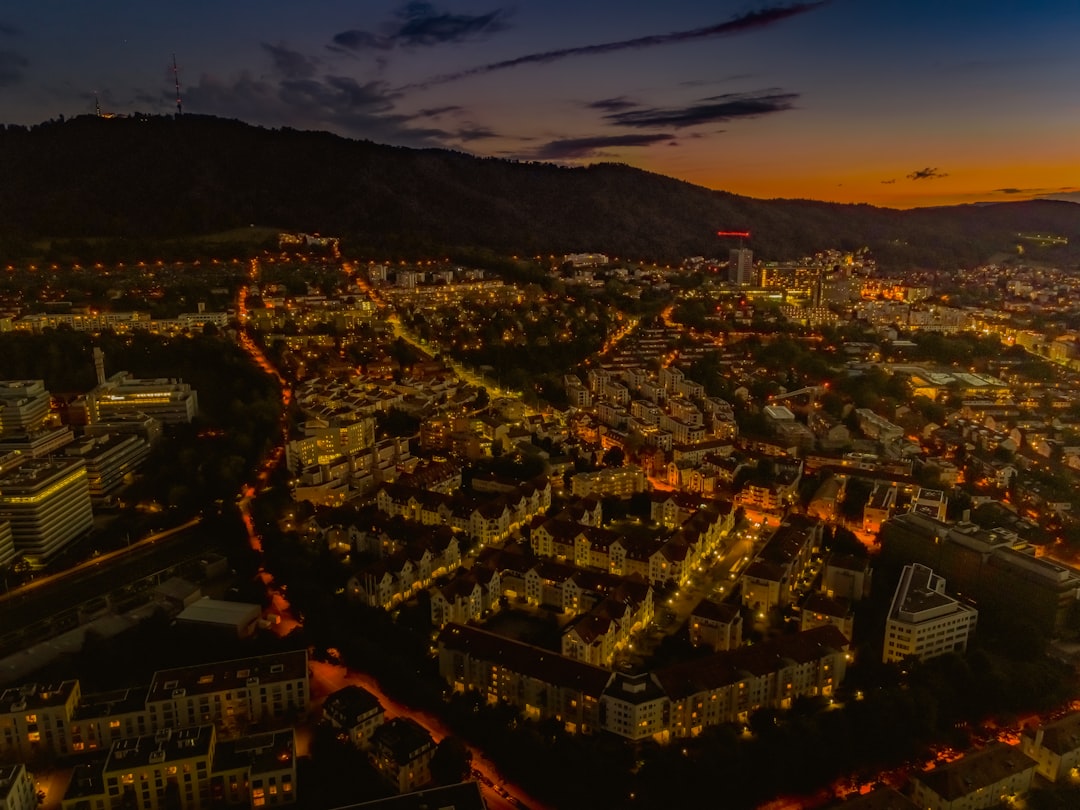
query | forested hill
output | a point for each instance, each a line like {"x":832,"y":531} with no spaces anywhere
{"x":141,"y":178}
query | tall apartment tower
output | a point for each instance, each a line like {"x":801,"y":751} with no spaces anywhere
{"x":741,"y":266}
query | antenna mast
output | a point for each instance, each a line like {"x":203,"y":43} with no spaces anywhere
{"x":97,"y":105}
{"x":176,"y":77}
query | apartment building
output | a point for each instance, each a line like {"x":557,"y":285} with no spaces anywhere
{"x":230,"y":694}
{"x":675,"y":701}
{"x":1055,"y":747}
{"x":620,"y":482}
{"x":924,"y":621}
{"x":773,"y":577}
{"x":401,"y":751}
{"x":47,"y":720}
{"x":543,"y":684}
{"x":17,"y":790}
{"x":355,"y":711}
{"x":34,"y":719}
{"x":188,"y":769}
{"x":988,"y":778}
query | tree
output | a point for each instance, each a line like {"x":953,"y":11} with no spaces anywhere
{"x":614,"y":457}
{"x":452,"y":761}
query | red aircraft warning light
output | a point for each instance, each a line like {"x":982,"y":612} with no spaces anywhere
{"x":739,"y":234}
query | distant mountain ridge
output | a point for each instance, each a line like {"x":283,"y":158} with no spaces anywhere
{"x":150,"y":177}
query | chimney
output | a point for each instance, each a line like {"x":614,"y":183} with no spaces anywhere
{"x":99,"y":365}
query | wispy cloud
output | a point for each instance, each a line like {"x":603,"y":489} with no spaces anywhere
{"x":13,"y":64}
{"x":616,"y":104}
{"x":435,"y":112}
{"x":751,"y":21}
{"x":707,"y":111}
{"x":12,"y":67}
{"x":927,"y":174}
{"x":420,"y":24}
{"x":475,"y":133}
{"x":888,"y":182}
{"x":290,"y":63}
{"x":338,"y":103}
{"x":1035,"y":191}
{"x":579,"y":148}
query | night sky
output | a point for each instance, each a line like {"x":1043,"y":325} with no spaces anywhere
{"x":892,"y":102}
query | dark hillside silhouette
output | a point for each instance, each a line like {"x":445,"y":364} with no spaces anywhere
{"x":154,"y":177}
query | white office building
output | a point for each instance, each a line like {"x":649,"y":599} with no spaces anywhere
{"x":24,"y":405}
{"x":923,"y":621}
{"x":47,"y":502}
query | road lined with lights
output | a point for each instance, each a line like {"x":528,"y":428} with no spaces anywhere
{"x":326,"y":677}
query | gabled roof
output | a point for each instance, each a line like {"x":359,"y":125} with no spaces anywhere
{"x":729,"y":667}
{"x":535,"y":662}
{"x":976,"y":771}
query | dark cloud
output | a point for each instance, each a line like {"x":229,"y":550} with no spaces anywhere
{"x":888,"y":182}
{"x":578,"y":148}
{"x":9,"y":30}
{"x":337,"y":103}
{"x":1036,"y":191}
{"x":359,"y":41}
{"x":12,"y":68}
{"x":710,"y":110}
{"x":927,"y":174}
{"x":475,"y":133}
{"x":289,"y":63}
{"x":435,"y":112}
{"x":420,"y":24}
{"x":296,"y":93}
{"x":735,"y":77}
{"x":612,"y":104}
{"x":751,"y":21}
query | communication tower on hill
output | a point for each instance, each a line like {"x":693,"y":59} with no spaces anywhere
{"x":176,"y":78}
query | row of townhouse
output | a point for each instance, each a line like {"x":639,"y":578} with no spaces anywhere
{"x":773,"y":578}
{"x":676,"y":701}
{"x":655,"y":560}
{"x":612,"y":609}
{"x":610,"y":624}
{"x":485,"y":521}
{"x":372,"y":532}
{"x":571,"y":589}
{"x":402,"y":574}
{"x":39,"y":721}
{"x":468,"y":597}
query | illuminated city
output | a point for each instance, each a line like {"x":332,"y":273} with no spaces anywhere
{"x":370,"y":438}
